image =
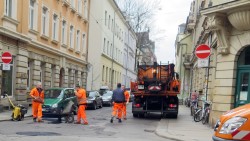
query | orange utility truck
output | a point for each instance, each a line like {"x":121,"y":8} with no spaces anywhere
{"x":156,"y":90}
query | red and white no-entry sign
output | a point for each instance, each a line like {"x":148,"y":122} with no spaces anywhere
{"x":6,"y":57}
{"x":202,"y":51}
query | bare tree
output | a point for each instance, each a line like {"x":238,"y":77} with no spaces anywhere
{"x":139,"y":12}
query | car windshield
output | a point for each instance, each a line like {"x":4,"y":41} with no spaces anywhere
{"x":107,"y":94}
{"x":53,"y":93}
{"x":91,"y":94}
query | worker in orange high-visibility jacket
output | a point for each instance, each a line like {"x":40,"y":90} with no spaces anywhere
{"x":124,"y":109}
{"x":37,"y":95}
{"x":82,"y":102}
{"x":118,"y":100}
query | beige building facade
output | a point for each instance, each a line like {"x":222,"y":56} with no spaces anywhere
{"x":224,"y":26}
{"x":112,"y":46}
{"x":48,"y":43}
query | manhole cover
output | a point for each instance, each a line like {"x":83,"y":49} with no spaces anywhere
{"x":38,"y":133}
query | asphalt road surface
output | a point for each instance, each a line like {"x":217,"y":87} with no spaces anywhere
{"x":99,"y":128}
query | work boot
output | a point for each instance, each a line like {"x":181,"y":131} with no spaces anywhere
{"x":125,"y":118}
{"x":119,"y":120}
{"x":34,"y":119}
{"x":40,"y":121}
{"x":111,"y":120}
{"x":85,"y":123}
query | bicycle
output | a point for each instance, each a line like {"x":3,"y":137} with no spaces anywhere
{"x":193,"y":106}
{"x":202,"y":113}
{"x":205,"y":119}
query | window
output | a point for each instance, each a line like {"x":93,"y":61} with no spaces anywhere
{"x":42,"y":73}
{"x":110,"y":75}
{"x":86,"y":9}
{"x":105,"y":18}
{"x":29,"y":73}
{"x":55,"y":27}
{"x":71,"y":37}
{"x":111,"y":48}
{"x":72,"y":3}
{"x":109,"y":22}
{"x":32,"y":14}
{"x":112,"y":25}
{"x":83,"y":42}
{"x":79,"y":6}
{"x":103,"y":69}
{"x":45,"y":21}
{"x":64,"y":32}
{"x":76,"y":78}
{"x":104,"y":45}
{"x":10,"y":8}
{"x":52,"y":80}
{"x":106,"y":74}
{"x":107,"y":46}
{"x":78,"y":40}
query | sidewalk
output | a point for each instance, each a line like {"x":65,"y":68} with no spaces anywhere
{"x":184,"y":128}
{"x":6,"y":114}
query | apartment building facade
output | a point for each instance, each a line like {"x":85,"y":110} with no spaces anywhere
{"x":48,"y":43}
{"x":224,"y":26}
{"x":112,"y":46}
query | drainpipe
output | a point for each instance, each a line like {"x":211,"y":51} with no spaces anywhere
{"x":207,"y":77}
{"x":112,"y":63}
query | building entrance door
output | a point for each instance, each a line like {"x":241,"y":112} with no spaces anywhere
{"x":243,"y":89}
{"x":242,"y":93}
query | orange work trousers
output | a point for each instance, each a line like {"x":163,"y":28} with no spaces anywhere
{"x":124,"y":110}
{"x":81,"y":114}
{"x":117,"y":110}
{"x":37,"y":110}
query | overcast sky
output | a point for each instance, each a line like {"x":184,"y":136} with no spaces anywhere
{"x":171,"y":14}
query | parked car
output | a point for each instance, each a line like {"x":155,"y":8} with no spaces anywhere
{"x":94,"y":100}
{"x":103,"y":89}
{"x":106,"y":97}
{"x":60,"y":102}
{"x":233,"y":125}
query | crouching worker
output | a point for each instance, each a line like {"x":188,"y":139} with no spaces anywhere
{"x":37,"y":95}
{"x":82,"y":102}
{"x":118,"y":100}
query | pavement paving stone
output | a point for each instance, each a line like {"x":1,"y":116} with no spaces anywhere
{"x":184,"y":128}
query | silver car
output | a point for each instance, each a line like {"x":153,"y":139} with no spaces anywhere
{"x":106,"y":97}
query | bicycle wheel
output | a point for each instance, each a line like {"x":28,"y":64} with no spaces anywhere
{"x":205,"y":118}
{"x":197,"y":115}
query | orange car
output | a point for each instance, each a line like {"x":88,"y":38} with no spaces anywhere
{"x":233,"y":125}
